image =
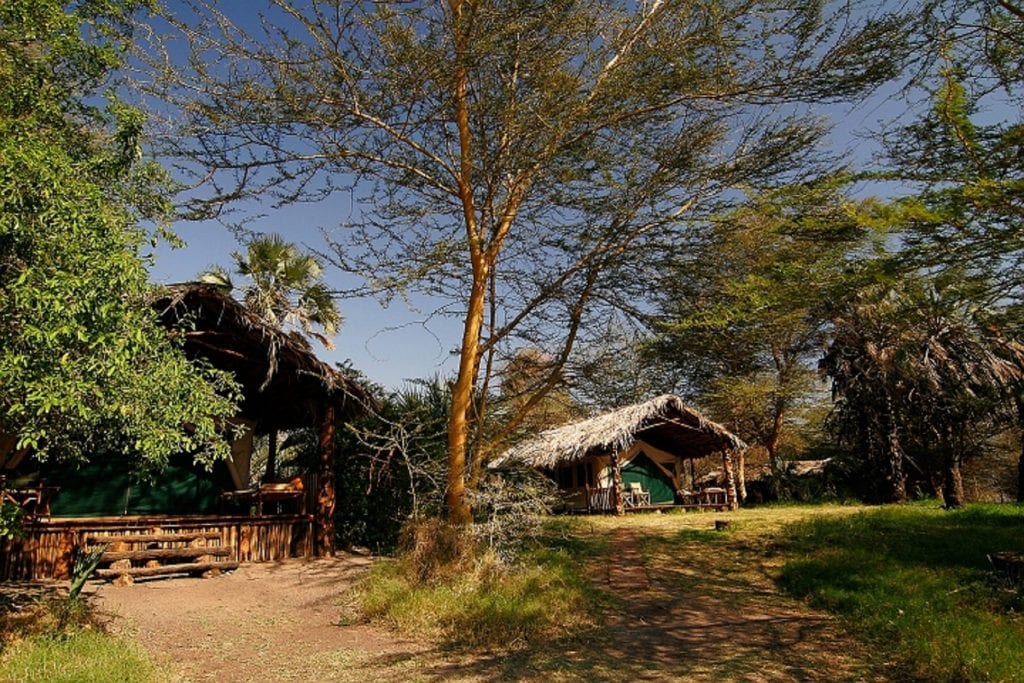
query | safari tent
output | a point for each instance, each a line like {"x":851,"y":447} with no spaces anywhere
{"x":284,"y":386}
{"x":634,"y":457}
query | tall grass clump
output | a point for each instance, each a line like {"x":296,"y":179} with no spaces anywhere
{"x":50,"y":635}
{"x":447,"y":586}
{"x":76,"y":656}
{"x":915,"y":581}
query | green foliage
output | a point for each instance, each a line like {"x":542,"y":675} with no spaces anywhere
{"x":915,"y":582}
{"x":744,"y":314}
{"x":11,"y":515}
{"x":916,"y":366}
{"x":83,"y":362}
{"x":284,"y":287}
{"x":962,"y":155}
{"x":85,"y":564}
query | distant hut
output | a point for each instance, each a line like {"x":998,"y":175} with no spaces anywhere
{"x":633,"y":457}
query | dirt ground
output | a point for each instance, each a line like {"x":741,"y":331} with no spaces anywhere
{"x":682,"y":610}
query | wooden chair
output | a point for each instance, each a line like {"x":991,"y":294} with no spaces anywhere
{"x":636,"y":496}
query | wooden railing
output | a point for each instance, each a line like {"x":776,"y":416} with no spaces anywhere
{"x":47,"y":549}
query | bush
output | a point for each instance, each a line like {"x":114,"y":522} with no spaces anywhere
{"x":447,"y":586}
{"x":431,"y":549}
{"x":510,"y":510}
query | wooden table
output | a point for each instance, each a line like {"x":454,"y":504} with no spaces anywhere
{"x":261,"y":496}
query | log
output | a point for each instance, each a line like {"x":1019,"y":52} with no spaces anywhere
{"x":185,"y":568}
{"x":123,"y":580}
{"x":166,"y":554}
{"x":151,"y":538}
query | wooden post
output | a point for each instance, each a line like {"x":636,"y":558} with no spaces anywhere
{"x":620,"y":508}
{"x":325,"y":495}
{"x":730,"y":481}
{"x":271,"y":473}
{"x":741,"y":474}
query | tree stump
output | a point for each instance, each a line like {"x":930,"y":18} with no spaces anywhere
{"x":1009,"y":564}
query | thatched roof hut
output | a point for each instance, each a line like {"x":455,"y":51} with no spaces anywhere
{"x":284,"y":384}
{"x":642,"y":446}
{"x":664,"y":422}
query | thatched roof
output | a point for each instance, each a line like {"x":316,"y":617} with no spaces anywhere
{"x":285,"y":386}
{"x":664,"y":422}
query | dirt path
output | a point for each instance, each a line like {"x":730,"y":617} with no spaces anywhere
{"x":684,"y":603}
{"x":694,"y":610}
{"x":263,"y":622}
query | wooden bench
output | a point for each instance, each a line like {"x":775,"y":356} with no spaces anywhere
{"x":194,"y":554}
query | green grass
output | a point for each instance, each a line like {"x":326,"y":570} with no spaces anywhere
{"x":79,"y":656}
{"x":915,"y":582}
{"x":545,"y":596}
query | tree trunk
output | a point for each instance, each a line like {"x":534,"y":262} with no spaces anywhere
{"x":617,"y":502}
{"x":271,"y":472}
{"x":730,"y":481}
{"x":741,"y":474}
{"x":953,"y":485}
{"x":325,"y":495}
{"x":462,"y":399}
{"x":893,"y":454}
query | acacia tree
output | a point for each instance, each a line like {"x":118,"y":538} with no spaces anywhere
{"x":84,"y":365}
{"x":743,"y":316}
{"x":510,"y":155}
{"x":962,"y":154}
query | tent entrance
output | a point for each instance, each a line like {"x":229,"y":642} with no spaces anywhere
{"x":651,"y":478}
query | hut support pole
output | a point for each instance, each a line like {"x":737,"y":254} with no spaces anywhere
{"x":325,"y":494}
{"x":730,"y":480}
{"x":620,"y":508}
{"x":741,"y":474}
{"x":271,"y":473}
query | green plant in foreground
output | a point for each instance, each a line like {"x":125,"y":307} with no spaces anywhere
{"x":11,"y":521}
{"x":444,"y":591}
{"x":85,"y":564}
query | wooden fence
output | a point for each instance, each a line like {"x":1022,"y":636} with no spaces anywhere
{"x":47,"y":549}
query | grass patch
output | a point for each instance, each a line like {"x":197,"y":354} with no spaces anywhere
{"x":47,"y":636}
{"x":76,"y":656}
{"x":544,"y":596}
{"x":915,"y":582}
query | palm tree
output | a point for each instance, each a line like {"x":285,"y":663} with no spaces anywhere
{"x":285,"y":289}
{"x":917,"y":363}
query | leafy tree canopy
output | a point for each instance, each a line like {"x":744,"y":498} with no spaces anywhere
{"x":84,"y":366}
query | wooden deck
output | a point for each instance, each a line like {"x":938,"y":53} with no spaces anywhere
{"x":47,"y":549}
{"x":600,"y":501}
